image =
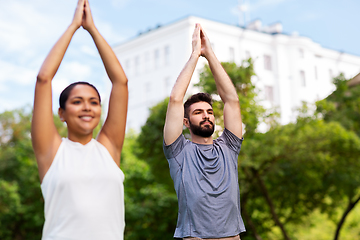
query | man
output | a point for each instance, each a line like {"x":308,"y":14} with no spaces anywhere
{"x":204,"y":171}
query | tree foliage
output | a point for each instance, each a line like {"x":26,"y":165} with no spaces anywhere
{"x":150,"y":206}
{"x":285,"y":174}
{"x":241,"y":76}
{"x":343,"y":106}
{"x":288,"y":175}
{"x":21,"y":204}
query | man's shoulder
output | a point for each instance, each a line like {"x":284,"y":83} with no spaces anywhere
{"x":229,"y":139}
{"x":174,"y":149}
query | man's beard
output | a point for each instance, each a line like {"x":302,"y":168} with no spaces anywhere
{"x":203,"y":131}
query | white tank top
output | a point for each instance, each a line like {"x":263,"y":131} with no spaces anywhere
{"x":84,"y":194}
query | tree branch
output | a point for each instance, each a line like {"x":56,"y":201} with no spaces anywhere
{"x":350,"y":207}
{"x":271,"y":205}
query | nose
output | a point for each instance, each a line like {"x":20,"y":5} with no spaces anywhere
{"x":205,"y":115}
{"x":86,"y":106}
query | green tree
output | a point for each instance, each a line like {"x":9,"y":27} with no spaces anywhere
{"x":299,"y":169}
{"x":343,"y":106}
{"x":269,"y":162}
{"x":150,"y":145}
{"x":285,"y":174}
{"x":251,"y":112}
{"x":151,"y":202}
{"x":21,"y":204}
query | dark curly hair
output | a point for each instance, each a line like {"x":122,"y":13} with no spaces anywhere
{"x":198,"y":97}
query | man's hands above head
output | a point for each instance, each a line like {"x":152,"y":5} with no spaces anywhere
{"x":201,"y":45}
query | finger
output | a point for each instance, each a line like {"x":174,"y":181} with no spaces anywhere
{"x":80,"y":4}
{"x":88,"y":10}
{"x":196,"y":33}
{"x":79,"y":11}
{"x":202,"y":33}
{"x":86,"y":4}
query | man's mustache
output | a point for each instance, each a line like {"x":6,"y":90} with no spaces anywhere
{"x":206,"y":120}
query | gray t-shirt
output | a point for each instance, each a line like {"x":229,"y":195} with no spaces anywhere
{"x":206,"y":183}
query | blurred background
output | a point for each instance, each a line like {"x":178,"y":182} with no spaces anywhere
{"x":294,"y":64}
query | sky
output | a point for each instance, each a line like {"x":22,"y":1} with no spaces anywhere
{"x":29,"y":29}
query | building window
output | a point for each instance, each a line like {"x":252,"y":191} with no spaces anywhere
{"x":301,"y":53}
{"x":269,"y":93}
{"x":127,"y":66}
{"x":137,"y":65}
{"x":267,"y":62}
{"x":167,"y":87}
{"x":302,"y":78}
{"x":316,"y":72}
{"x":146,"y":61}
{"x":156,"y":58}
{"x":166,"y":55}
{"x":147,"y":91}
{"x":247,"y":55}
{"x":231,"y":54}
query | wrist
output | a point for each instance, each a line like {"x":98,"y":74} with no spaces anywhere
{"x":195,"y":55}
{"x":73,"y":26}
{"x":209,"y":55}
{"x":92,"y":30}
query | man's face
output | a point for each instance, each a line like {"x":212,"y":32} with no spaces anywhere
{"x":201,"y":119}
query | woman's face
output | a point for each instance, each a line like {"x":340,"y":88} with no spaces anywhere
{"x":83,"y":110}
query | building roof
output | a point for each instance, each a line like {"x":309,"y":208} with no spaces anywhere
{"x":355,"y":81}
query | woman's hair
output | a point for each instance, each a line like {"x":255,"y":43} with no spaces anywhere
{"x":66,"y":92}
{"x":199,"y":97}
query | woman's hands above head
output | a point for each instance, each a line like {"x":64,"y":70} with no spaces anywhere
{"x":83,"y":17}
{"x":87,"y":19}
{"x":78,"y":15}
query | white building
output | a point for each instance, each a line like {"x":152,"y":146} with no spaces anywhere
{"x":290,"y":68}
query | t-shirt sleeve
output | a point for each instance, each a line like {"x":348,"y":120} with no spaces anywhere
{"x":172,"y":150}
{"x":231,"y":140}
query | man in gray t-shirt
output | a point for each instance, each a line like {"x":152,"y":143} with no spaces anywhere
{"x":204,"y":171}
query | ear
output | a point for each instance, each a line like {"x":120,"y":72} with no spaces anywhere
{"x":61,"y":114}
{"x":186,"y":122}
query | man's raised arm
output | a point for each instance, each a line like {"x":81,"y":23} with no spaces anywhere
{"x":225,"y":88}
{"x":175,"y":111}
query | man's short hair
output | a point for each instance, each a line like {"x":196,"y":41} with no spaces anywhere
{"x":198,"y":97}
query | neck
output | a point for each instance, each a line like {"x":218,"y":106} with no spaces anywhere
{"x":83,"y":139}
{"x":201,"y":140}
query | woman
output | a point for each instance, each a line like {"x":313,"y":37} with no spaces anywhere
{"x":81,"y":181}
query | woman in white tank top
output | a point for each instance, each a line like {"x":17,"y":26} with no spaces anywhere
{"x":81,"y":181}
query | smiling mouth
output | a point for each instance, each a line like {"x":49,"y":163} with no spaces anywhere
{"x":86,"y":118}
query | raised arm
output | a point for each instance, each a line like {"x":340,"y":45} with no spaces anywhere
{"x":113,"y":132}
{"x":225,"y":88}
{"x":45,"y":138}
{"x":175,"y":111}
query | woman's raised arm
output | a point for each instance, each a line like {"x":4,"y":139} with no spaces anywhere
{"x":45,"y":138}
{"x":113,"y":132}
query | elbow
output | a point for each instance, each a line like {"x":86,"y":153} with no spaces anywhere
{"x":176,"y":99}
{"x":233,"y":99}
{"x":126,"y":81}
{"x":43,"y":78}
